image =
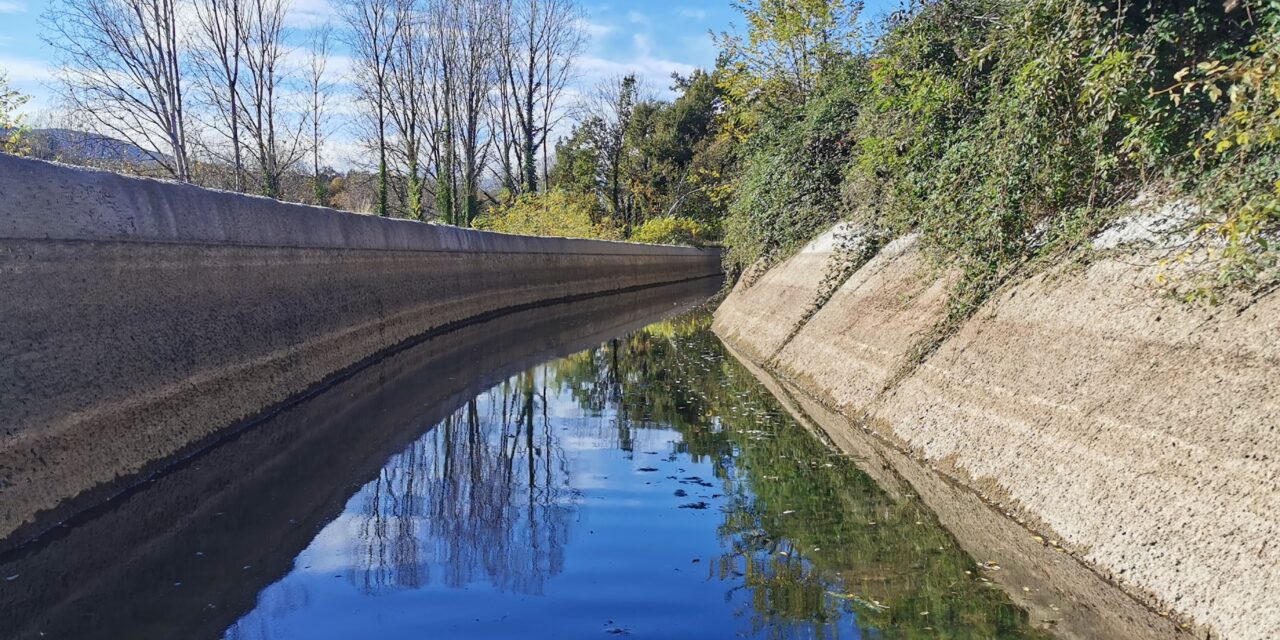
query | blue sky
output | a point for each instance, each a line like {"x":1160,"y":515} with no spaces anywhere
{"x":652,"y":38}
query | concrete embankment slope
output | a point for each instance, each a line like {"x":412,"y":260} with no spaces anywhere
{"x":1140,"y":434}
{"x":139,"y":319}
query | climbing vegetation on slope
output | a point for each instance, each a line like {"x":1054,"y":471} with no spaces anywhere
{"x":1003,"y":132}
{"x":1240,"y":156}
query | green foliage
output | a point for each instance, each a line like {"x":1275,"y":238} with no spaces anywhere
{"x":788,"y":185}
{"x":12,"y":130}
{"x":1241,"y":156}
{"x":670,"y":230}
{"x":789,"y":46}
{"x":552,"y":213}
{"x":576,"y":162}
{"x":1001,"y":133}
{"x":642,"y":159}
{"x":683,"y":165}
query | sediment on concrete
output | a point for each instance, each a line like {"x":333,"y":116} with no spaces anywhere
{"x":1138,"y":432}
{"x":140,"y":318}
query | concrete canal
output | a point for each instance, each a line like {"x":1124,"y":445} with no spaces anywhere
{"x":592,"y":469}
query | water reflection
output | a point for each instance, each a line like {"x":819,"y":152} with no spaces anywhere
{"x":479,"y":498}
{"x":813,"y":544}
{"x":491,"y":487}
{"x":649,"y":487}
{"x":192,"y":551}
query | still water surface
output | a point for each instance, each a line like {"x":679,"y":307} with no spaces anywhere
{"x":646,"y":486}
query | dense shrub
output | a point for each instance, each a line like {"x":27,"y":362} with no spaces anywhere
{"x":1000,"y":132}
{"x":553,"y":213}
{"x":670,"y":230}
{"x":788,"y":185}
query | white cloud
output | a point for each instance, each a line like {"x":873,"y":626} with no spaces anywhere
{"x":12,"y":6}
{"x":30,"y":77}
{"x":635,"y":17}
{"x":25,"y":70}
{"x":338,"y":68}
{"x":595,"y":29}
{"x":308,"y":14}
{"x":655,"y":70}
{"x":693,"y":14}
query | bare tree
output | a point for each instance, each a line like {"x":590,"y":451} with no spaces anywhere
{"x":374,"y":28}
{"x":219,"y":40}
{"x":541,"y":40}
{"x":410,"y":88}
{"x":443,"y":128}
{"x":464,"y":63}
{"x":121,"y":70}
{"x":319,"y":92}
{"x":475,"y":55}
{"x":277,"y":143}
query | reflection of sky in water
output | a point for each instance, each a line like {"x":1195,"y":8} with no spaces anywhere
{"x":452,"y":539}
{"x":650,"y":488}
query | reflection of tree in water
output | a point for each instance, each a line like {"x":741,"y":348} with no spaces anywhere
{"x":483,"y":496}
{"x":811,"y":541}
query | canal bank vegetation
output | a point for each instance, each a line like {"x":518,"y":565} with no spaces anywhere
{"x":997,"y":132}
{"x":1000,"y":133}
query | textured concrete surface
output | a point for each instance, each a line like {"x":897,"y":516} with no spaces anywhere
{"x":1059,"y":594}
{"x":1140,"y":433}
{"x":139,"y":318}
{"x":764,"y":314}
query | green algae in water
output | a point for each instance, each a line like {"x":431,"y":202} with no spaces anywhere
{"x":814,"y":540}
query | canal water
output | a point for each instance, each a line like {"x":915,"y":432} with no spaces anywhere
{"x":593,"y":470}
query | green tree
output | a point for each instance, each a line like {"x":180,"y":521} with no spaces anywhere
{"x":576,"y":161}
{"x":788,"y":47}
{"x":682,"y":167}
{"x":643,"y":159}
{"x":550,"y":213}
{"x":12,"y":130}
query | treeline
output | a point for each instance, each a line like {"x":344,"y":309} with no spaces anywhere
{"x":1003,"y":132}
{"x":455,"y":99}
{"x":998,"y":132}
{"x":454,"y":104}
{"x":634,"y":167}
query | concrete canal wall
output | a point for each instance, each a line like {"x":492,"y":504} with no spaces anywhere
{"x":254,"y":503}
{"x":139,"y":319}
{"x":1134,"y":432}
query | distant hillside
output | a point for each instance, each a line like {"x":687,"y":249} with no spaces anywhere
{"x":69,"y":145}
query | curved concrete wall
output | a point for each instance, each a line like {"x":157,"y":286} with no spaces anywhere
{"x":286,"y":478}
{"x":1137,"y":432}
{"x":139,"y":318}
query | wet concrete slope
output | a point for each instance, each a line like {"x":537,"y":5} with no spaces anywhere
{"x":139,"y":318}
